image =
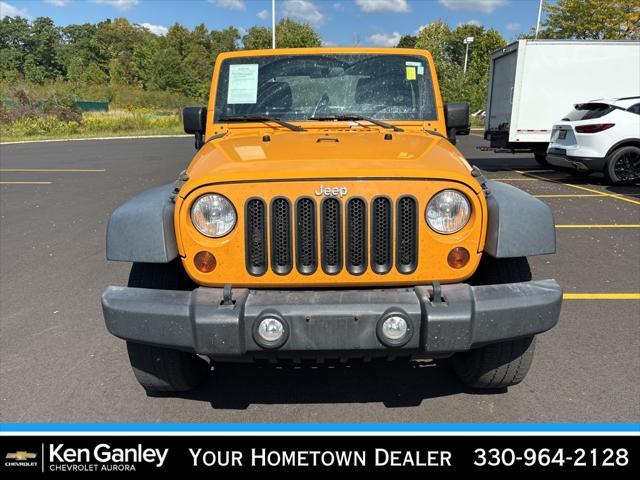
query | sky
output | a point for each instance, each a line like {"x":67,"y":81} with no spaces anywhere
{"x":339,"y":22}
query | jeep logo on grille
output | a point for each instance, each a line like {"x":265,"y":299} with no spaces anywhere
{"x":331,"y":192}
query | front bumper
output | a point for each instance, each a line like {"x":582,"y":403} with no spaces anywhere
{"x":332,"y":324}
{"x":559,"y":157}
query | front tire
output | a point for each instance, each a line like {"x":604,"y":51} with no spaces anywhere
{"x":160,"y":369}
{"x":623,"y":166}
{"x":495,"y":366}
{"x":504,"y":364}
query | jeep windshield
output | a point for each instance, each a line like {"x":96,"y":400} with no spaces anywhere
{"x":314,"y":87}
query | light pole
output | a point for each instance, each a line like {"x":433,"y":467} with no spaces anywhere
{"x":467,"y":41}
{"x":273,"y":23}
{"x":538,"y":22}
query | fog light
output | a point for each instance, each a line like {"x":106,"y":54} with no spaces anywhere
{"x":458,"y":257}
{"x":270,"y":329}
{"x":204,"y":262}
{"x":394,"y":328}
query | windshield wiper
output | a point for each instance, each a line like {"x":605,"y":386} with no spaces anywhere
{"x":261,"y":118}
{"x":353,"y":117}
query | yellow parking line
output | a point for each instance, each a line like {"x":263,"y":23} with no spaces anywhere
{"x":601,"y":296}
{"x":513,"y":179}
{"x":611,"y":225}
{"x":579,"y":187}
{"x":570,"y":195}
{"x":25,"y":183}
{"x":52,"y":170}
{"x":580,"y":195}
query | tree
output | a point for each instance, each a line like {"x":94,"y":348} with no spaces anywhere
{"x":592,"y":19}
{"x":292,"y":34}
{"x":76,"y":41}
{"x":226,"y":40}
{"x":178,"y":38}
{"x":407,"y":41}
{"x":142,"y":57}
{"x":448,"y":51}
{"x":46,"y":42}
{"x":118,"y":52}
{"x":14,"y":33}
{"x":15,"y":44}
{"x":434,"y":37}
{"x":257,"y":38}
{"x":166,"y":70}
{"x":33,"y":72}
{"x":77,"y":52}
{"x":289,"y":34}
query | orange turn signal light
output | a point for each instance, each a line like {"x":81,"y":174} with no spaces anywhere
{"x":205,"y":261}
{"x":458,"y":257}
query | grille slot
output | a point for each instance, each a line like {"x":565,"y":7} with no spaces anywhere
{"x":356,"y":225}
{"x":381,"y":251}
{"x":256,"y":237}
{"x":281,"y":252}
{"x":331,"y":225}
{"x":306,"y":245}
{"x":406,"y":234}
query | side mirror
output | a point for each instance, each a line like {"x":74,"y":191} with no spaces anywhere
{"x":195,"y":121}
{"x":456,"y":117}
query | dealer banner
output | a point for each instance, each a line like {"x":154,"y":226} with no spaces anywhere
{"x":108,"y":455}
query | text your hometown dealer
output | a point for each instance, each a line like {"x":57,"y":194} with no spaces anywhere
{"x":261,"y":457}
{"x":104,"y":453}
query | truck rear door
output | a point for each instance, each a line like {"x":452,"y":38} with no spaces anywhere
{"x":503,"y":75}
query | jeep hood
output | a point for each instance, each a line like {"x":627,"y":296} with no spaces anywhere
{"x":324,"y":154}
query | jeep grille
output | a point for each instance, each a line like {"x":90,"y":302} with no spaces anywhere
{"x":333,"y":234}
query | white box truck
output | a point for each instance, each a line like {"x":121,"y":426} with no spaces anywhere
{"x":535,"y":83}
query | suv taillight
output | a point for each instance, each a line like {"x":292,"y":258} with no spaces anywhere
{"x":594,"y":128}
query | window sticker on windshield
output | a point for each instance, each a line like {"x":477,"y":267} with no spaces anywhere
{"x":419,"y":66}
{"x":243,"y":84}
{"x":411,"y":73}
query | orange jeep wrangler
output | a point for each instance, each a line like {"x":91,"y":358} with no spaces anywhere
{"x":328,"y":215}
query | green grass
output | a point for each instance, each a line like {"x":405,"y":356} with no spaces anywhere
{"x":477,"y":122}
{"x":77,"y":136}
{"x":112,"y":124}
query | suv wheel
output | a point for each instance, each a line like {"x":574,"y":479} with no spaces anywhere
{"x":160,"y":369}
{"x":498,"y":365}
{"x":623,"y":165}
{"x":541,"y":158}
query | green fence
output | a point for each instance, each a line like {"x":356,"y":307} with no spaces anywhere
{"x":82,"y":105}
{"x":86,"y":106}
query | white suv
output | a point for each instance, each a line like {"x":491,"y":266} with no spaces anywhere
{"x":601,"y":135}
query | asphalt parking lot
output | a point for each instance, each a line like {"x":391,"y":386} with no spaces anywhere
{"x":59,"y":364}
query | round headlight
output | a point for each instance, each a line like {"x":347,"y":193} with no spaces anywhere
{"x":448,"y":211}
{"x":213,"y":215}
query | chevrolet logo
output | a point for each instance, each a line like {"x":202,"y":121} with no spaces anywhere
{"x":21,"y":456}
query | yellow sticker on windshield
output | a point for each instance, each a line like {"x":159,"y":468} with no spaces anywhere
{"x":411,"y":73}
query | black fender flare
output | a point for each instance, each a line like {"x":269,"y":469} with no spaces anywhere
{"x":519,"y":225}
{"x":142,"y":229}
